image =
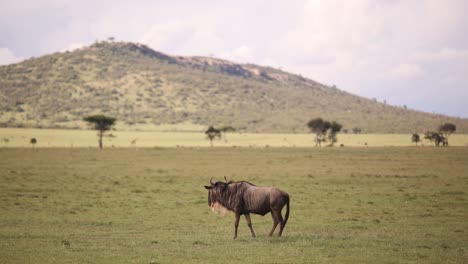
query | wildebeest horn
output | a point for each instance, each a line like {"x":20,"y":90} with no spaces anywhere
{"x":225,"y":179}
{"x":211,"y":181}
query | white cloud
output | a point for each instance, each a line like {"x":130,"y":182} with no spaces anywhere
{"x":445,"y":54}
{"x":406,"y":70}
{"x":242,"y":54}
{"x":8,"y":57}
{"x":203,"y":41}
{"x":75,"y":46}
{"x":168,"y":36}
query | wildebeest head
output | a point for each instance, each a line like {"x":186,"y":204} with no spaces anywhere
{"x":216,"y":192}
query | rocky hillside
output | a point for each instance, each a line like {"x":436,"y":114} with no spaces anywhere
{"x":145,"y":89}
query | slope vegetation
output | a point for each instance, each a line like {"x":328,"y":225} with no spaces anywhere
{"x":144,"y":89}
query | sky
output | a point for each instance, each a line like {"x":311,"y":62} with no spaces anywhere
{"x":406,"y":52}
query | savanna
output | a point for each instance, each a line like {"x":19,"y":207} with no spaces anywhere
{"x":148,"y":205}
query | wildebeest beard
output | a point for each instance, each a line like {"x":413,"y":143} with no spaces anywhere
{"x":219,"y":209}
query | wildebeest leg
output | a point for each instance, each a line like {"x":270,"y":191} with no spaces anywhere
{"x":236,"y":225}
{"x":249,"y":223}
{"x":282,"y":223}
{"x":274,"y":215}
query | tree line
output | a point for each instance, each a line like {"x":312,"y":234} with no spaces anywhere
{"x":439,"y":137}
{"x":323,"y":130}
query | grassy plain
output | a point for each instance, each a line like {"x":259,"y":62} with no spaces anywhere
{"x":148,"y":205}
{"x":20,"y":137}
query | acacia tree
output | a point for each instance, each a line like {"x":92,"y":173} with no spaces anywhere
{"x":415,"y":138}
{"x":212,"y":133}
{"x":101,"y":123}
{"x":319,"y":127}
{"x":436,"y":137}
{"x":224,"y":130}
{"x":33,"y":142}
{"x":447,"y":129}
{"x":335,"y":127}
{"x":324,"y":130}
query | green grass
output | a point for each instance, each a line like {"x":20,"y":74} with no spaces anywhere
{"x":348,"y":205}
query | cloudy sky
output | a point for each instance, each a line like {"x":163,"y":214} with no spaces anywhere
{"x":407,"y":52}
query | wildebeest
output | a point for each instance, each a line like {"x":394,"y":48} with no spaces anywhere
{"x":244,"y":198}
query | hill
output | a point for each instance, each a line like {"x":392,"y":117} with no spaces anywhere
{"x":146,"y":89}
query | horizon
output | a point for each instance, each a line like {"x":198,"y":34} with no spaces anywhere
{"x":405,"y":53}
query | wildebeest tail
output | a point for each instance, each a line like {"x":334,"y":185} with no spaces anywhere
{"x":286,"y":216}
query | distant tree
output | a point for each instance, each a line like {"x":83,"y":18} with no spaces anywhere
{"x":319,"y":127}
{"x":224,"y":130}
{"x":357,"y":130}
{"x":415,"y":138}
{"x":437,"y":138}
{"x":447,"y":129}
{"x":100,"y":123}
{"x":334,"y":129}
{"x":33,"y":142}
{"x":324,"y":130}
{"x":212,"y":133}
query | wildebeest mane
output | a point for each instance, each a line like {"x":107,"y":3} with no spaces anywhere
{"x":232,"y":195}
{"x":240,"y":182}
